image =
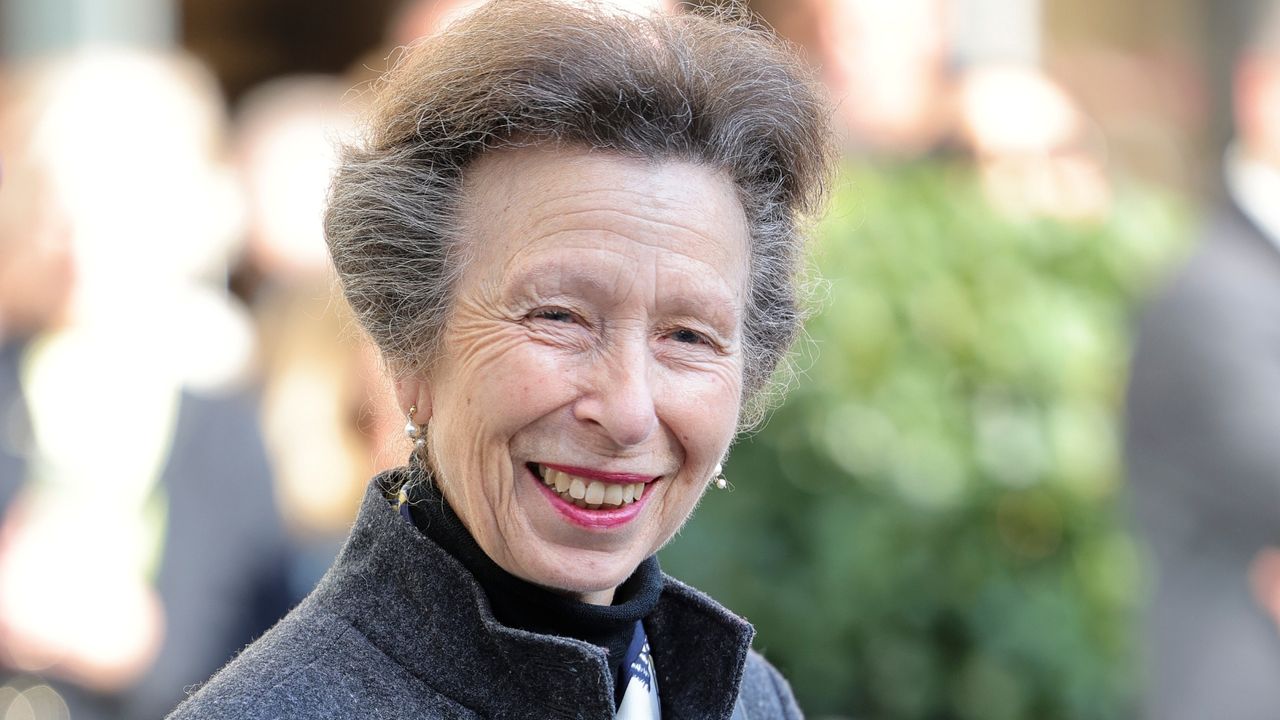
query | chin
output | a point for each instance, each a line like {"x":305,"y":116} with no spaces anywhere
{"x":585,"y":572}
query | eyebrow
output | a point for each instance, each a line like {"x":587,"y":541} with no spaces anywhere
{"x":723,"y":316}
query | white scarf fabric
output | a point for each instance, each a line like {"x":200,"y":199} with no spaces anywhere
{"x":640,"y":698}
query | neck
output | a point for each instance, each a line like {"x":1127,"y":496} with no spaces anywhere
{"x":513,"y":595}
{"x":598,"y":597}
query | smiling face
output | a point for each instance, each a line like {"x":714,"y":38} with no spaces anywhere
{"x":594,"y":354}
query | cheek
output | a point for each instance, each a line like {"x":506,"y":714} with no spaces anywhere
{"x":504,"y":387}
{"x":703,"y":409}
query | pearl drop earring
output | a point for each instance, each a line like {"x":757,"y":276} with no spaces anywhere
{"x":417,"y":433}
{"x":718,"y":478}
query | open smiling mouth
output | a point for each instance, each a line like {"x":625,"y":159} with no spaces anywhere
{"x":587,"y":493}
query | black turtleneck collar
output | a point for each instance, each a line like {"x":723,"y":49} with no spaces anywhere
{"x":520,"y":604}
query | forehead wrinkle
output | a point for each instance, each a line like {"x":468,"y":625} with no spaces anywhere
{"x":521,"y":206}
{"x":553,"y":275}
{"x":629,"y":266}
{"x":588,"y":239}
{"x":500,"y":186}
{"x":656,"y":215}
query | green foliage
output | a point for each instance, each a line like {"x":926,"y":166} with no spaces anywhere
{"x":930,"y":526}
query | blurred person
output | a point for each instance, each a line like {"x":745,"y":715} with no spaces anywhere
{"x":1203,"y":418}
{"x":904,"y":96}
{"x":328,"y":419}
{"x":1032,"y":142}
{"x":35,"y":279}
{"x":286,"y":133}
{"x":130,"y":436}
{"x":327,"y":414}
{"x":887,"y":65}
{"x":574,"y":235}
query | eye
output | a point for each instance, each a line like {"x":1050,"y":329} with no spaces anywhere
{"x":557,"y":315}
{"x":688,"y":337}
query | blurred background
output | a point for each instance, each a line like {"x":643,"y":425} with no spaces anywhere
{"x":936,"y":524}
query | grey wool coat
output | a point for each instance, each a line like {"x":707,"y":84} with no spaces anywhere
{"x":399,"y":629}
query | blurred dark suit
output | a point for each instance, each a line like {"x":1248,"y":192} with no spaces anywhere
{"x":1203,"y":451}
{"x":223,"y":572}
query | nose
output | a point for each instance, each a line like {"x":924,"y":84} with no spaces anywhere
{"x":619,"y":396}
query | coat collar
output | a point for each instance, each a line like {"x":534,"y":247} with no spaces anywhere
{"x":421,"y":608}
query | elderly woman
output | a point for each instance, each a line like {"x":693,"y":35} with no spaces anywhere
{"x":575,"y":236}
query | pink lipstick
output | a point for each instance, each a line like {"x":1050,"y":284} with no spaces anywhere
{"x":599,"y":515}
{"x":620,"y":478}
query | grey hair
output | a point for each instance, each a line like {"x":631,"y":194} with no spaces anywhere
{"x":713,"y":89}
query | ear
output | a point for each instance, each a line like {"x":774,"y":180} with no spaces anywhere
{"x":413,"y":392}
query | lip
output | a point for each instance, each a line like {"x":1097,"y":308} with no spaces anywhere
{"x":618,"y":478}
{"x":591,"y":519}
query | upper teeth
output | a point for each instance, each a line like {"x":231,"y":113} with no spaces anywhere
{"x":591,"y":494}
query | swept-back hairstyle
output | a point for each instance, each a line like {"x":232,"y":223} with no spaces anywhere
{"x":716,"y":90}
